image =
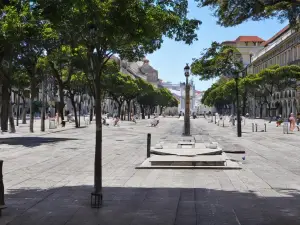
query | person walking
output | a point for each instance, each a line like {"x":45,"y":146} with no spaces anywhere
{"x":292,"y":122}
{"x":298,"y":121}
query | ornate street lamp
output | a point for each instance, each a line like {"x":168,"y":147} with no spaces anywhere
{"x":187,"y":128}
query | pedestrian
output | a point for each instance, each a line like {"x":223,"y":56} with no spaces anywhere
{"x":278,"y":121}
{"x":298,"y":121}
{"x":292,"y":122}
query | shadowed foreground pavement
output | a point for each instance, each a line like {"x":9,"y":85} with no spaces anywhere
{"x":50,"y":182}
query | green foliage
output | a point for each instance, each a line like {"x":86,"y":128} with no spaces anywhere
{"x":216,"y":61}
{"x":272,"y":79}
{"x":232,"y":13}
{"x":164,"y":97}
{"x":120,"y":86}
{"x":221,"y":93}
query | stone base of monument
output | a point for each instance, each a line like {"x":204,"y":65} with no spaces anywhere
{"x":187,"y":154}
{"x":184,"y":162}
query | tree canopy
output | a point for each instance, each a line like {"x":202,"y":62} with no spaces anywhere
{"x":232,"y":13}
{"x":217,"y":60}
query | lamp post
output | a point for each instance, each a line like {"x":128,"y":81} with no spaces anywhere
{"x":236,"y":75}
{"x":187,"y":128}
{"x":238,"y":111}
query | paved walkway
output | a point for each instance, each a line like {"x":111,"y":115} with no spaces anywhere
{"x":48,"y":179}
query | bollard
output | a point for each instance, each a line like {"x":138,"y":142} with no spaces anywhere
{"x":285,"y":128}
{"x":252,"y":127}
{"x":148,"y":144}
{"x":215,"y":119}
{"x":265,"y":127}
{"x":2,"y":203}
{"x":223,"y":123}
{"x":256,"y":127}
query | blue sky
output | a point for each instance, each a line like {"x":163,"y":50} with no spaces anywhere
{"x":172,"y":57}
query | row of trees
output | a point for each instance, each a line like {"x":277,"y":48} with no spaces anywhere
{"x":225,"y":63}
{"x":74,"y":41}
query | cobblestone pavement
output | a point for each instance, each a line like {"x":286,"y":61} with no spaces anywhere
{"x":48,"y":179}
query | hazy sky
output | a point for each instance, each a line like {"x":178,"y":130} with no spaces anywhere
{"x":172,"y":57}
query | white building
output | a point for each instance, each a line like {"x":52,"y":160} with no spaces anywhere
{"x":201,"y":108}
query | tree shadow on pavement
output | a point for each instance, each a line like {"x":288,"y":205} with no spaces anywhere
{"x":70,"y":205}
{"x":32,"y":141}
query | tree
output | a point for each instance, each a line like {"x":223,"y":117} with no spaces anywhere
{"x":11,"y":33}
{"x":131,"y":91}
{"x":129,"y":28}
{"x":164,"y":98}
{"x":232,"y":13}
{"x":221,"y":93}
{"x":31,"y":49}
{"x":145,"y":96}
{"x":272,"y":79}
{"x":76,"y":87}
{"x":20,"y":80}
{"x":218,"y":60}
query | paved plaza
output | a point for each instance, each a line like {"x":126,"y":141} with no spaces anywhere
{"x":48,"y":178}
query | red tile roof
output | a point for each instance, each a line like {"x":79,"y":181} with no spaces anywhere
{"x":277,"y":35}
{"x":249,"y":39}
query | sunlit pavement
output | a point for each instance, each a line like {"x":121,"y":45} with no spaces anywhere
{"x":48,"y":179}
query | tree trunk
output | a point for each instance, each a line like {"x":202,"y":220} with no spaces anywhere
{"x":149,"y":112}
{"x":134,"y":109}
{"x":4,"y":106}
{"x":75,"y":110}
{"x":128,"y":109}
{"x":24,"y":111}
{"x":98,"y":148}
{"x":244,"y":103}
{"x":61,"y":103}
{"x":260,"y":111}
{"x":32,"y":94}
{"x":43,"y":112}
{"x":79,"y":111}
{"x":91,"y":113}
{"x":11,"y":119}
{"x":142,"y":111}
{"x":119,"y":108}
{"x":18,"y":108}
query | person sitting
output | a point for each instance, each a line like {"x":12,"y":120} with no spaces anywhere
{"x":154,"y":123}
{"x":116,"y":121}
{"x":133,"y":119}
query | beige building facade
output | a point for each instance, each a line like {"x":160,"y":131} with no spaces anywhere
{"x":257,"y":54}
{"x":282,"y":49}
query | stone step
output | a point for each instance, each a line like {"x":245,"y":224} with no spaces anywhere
{"x":185,"y":151}
{"x":203,"y":160}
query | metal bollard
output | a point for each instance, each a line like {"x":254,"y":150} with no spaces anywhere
{"x":2,"y":203}
{"x":148,"y":144}
{"x":223,"y":123}
{"x":215,"y":119}
{"x":252,"y":127}
{"x":265,"y":127}
{"x":285,"y":128}
{"x":256,"y":127}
